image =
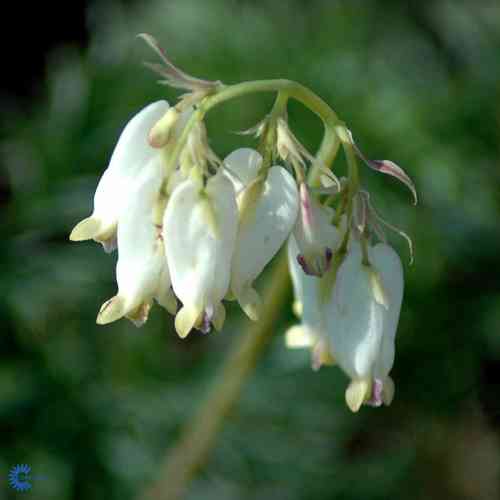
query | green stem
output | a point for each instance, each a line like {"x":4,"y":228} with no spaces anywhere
{"x":287,"y":89}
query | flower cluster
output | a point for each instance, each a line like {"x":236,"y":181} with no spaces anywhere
{"x":193,"y":230}
{"x":198,"y":235}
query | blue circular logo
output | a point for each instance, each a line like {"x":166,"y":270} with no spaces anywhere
{"x":19,"y":477}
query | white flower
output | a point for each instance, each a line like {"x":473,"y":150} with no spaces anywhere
{"x":141,"y":272}
{"x":131,"y":154}
{"x":311,"y":332}
{"x":315,"y":235}
{"x":200,"y":226}
{"x":268,"y":209}
{"x":362,"y":318}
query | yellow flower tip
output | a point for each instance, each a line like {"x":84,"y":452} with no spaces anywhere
{"x":321,"y":355}
{"x":86,"y":229}
{"x":186,"y":319}
{"x":297,"y":308}
{"x":250,"y":302}
{"x":297,"y":337}
{"x":219,"y":316}
{"x":378,"y":289}
{"x":111,"y":310}
{"x":140,"y":315}
{"x":357,"y":393}
{"x":388,"y":391}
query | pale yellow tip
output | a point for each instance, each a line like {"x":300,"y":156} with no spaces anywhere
{"x":297,"y":337}
{"x":219,"y":316}
{"x":140,"y":315}
{"x":86,"y":229}
{"x":321,"y":355}
{"x":111,"y":310}
{"x":185,"y":320}
{"x":357,"y":393}
{"x":297,"y":308}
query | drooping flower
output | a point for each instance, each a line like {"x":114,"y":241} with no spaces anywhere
{"x":268,"y":207}
{"x":311,"y":333}
{"x":314,"y":234}
{"x":200,"y":226}
{"x":362,"y":317}
{"x":131,"y":154}
{"x":141,"y":272}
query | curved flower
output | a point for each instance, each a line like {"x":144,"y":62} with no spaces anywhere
{"x":267,"y":209}
{"x":315,"y":235}
{"x":141,"y":272}
{"x":308,"y":305}
{"x":200,"y":226}
{"x":131,"y":154}
{"x":362,"y":319}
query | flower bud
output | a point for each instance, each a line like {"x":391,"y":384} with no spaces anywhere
{"x":162,"y":130}
{"x":288,"y":147}
{"x":311,"y":333}
{"x":316,"y":237}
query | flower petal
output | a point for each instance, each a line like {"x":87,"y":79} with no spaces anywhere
{"x":140,"y":254}
{"x":261,"y":235}
{"x":131,"y":153}
{"x":242,"y":167}
{"x":388,"y":264}
{"x":355,"y":318}
{"x":198,"y":253}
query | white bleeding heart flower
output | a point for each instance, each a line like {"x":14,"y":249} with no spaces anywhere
{"x":315,"y":235}
{"x":362,"y":317}
{"x":200,"y":226}
{"x":130,"y":155}
{"x":268,"y":207}
{"x":141,"y":272}
{"x":308,"y":305}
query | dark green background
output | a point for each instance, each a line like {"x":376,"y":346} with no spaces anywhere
{"x":95,"y":408}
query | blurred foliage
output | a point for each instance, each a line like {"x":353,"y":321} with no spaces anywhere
{"x":94,"y":409}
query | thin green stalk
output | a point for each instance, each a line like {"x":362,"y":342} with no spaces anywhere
{"x":287,"y":89}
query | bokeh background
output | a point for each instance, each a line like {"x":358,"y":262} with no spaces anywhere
{"x":94,"y":409}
